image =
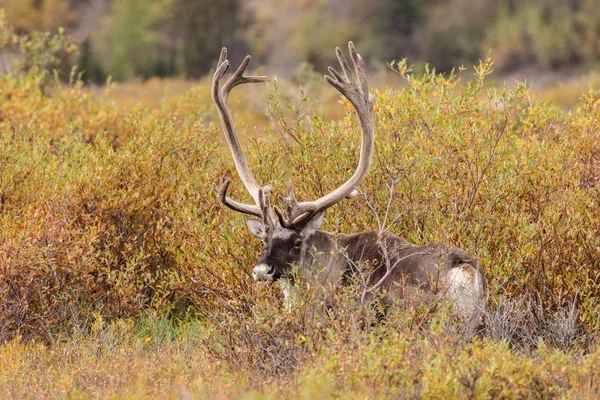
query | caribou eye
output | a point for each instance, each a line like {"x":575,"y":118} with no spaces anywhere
{"x":298,"y":243}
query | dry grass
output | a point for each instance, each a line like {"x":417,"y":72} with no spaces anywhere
{"x":413,"y":354}
{"x":566,"y":94}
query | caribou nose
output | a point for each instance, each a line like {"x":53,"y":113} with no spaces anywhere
{"x":262,"y":273}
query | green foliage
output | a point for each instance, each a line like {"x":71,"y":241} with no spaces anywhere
{"x":329,"y":30}
{"x":399,"y":17}
{"x":89,"y":65}
{"x":36,"y":54}
{"x":545,"y":32}
{"x":588,"y":16}
{"x":208,"y":25}
{"x":183,"y":37}
{"x":133,"y":45}
{"x":454,"y":31}
{"x":398,"y":22}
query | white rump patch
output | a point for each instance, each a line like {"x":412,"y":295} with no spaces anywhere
{"x":463,"y":287}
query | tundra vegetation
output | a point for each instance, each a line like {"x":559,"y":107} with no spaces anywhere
{"x":121,"y":276}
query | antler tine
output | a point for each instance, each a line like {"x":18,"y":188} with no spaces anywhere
{"x":359,"y":65}
{"x":293,"y":210}
{"x":290,"y":202}
{"x":220,"y":97}
{"x":267,"y":216}
{"x":222,"y":56}
{"x":238,"y":77}
{"x":265,"y":207}
{"x":362,"y":101}
{"x":221,"y":193}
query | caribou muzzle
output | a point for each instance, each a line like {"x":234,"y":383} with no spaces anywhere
{"x":264,"y":273}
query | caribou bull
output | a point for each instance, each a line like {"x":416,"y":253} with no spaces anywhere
{"x":292,"y":236}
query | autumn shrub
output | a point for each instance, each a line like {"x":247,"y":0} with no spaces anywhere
{"x":112,"y":212}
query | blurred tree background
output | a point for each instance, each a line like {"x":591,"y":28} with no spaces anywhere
{"x":143,"y":38}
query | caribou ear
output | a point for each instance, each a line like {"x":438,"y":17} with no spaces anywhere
{"x":313,"y":225}
{"x":256,"y":227}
